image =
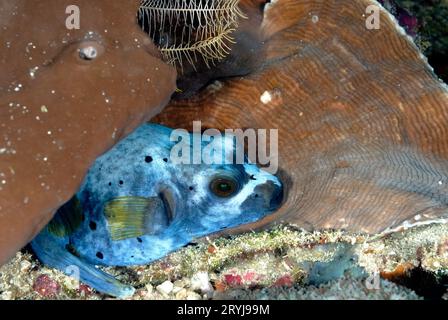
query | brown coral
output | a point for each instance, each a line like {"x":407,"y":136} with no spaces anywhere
{"x":348,"y":95}
{"x":60,"y":108}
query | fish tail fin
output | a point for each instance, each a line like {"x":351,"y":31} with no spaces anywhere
{"x":58,"y":257}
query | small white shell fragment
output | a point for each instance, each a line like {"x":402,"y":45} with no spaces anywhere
{"x":201,"y":282}
{"x":193,"y":296}
{"x":165,"y":288}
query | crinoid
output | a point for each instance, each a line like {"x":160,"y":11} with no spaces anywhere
{"x":188,"y":31}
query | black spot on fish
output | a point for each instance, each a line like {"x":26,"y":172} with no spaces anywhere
{"x":110,"y":183}
{"x":92,"y":225}
{"x":148,"y":159}
{"x":256,"y":195}
{"x":165,"y":159}
{"x":121,"y":182}
{"x":99,"y":255}
{"x":191,"y":188}
{"x":139,"y":240}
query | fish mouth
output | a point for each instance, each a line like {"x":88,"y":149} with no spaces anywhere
{"x":169,"y":205}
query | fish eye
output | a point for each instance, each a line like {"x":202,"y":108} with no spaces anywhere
{"x":224,"y":187}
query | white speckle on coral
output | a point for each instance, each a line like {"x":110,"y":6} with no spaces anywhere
{"x":18,"y":88}
{"x":33,"y":71}
{"x":266,"y":97}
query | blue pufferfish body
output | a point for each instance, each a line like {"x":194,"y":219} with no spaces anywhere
{"x":135,"y":206}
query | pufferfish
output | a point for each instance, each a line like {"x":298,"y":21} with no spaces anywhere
{"x":135,"y":206}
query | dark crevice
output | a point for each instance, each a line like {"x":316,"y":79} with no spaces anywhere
{"x":424,"y":283}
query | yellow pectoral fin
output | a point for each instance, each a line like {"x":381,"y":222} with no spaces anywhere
{"x":128,"y":216}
